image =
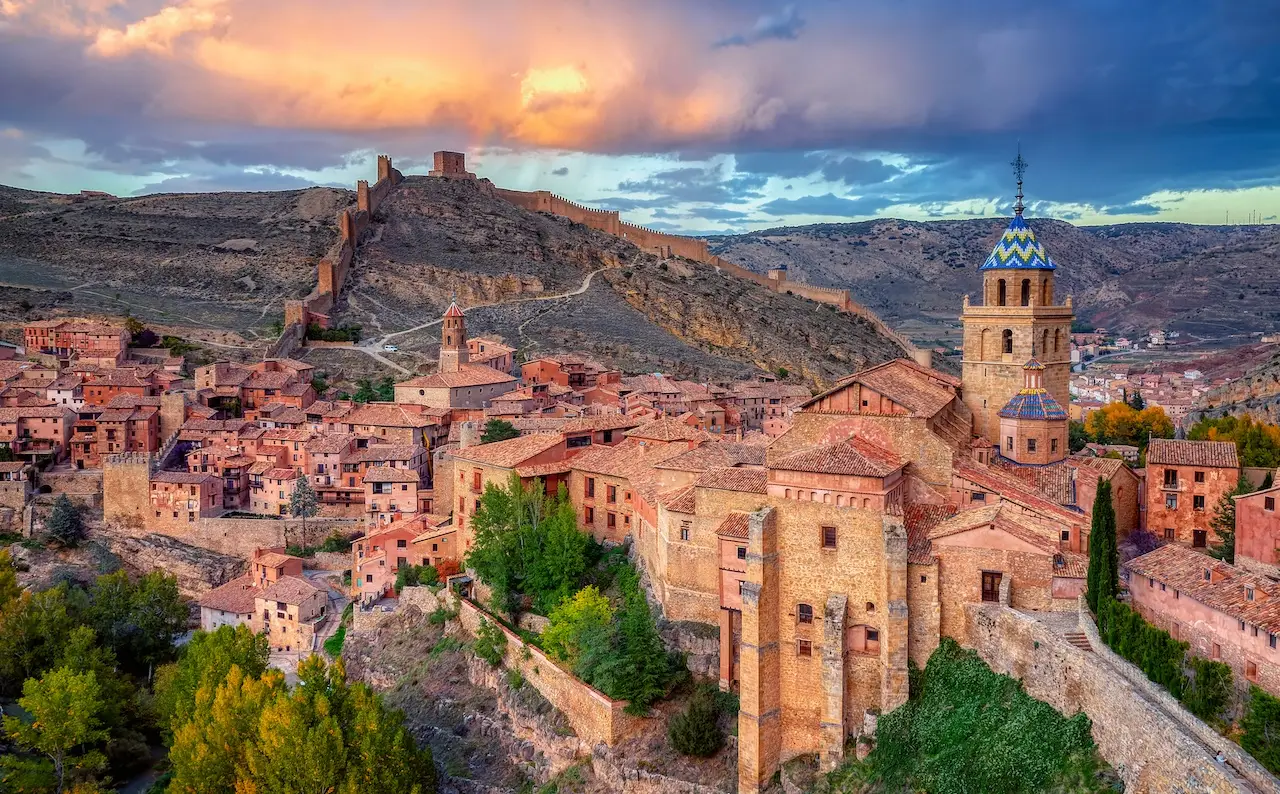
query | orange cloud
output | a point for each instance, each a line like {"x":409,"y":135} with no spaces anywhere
{"x":158,"y":33}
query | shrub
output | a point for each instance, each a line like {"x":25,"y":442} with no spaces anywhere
{"x":574,"y":621}
{"x":336,"y":542}
{"x":1155,"y":652}
{"x":1208,"y":690}
{"x":1261,"y":726}
{"x":415,"y":576}
{"x":696,"y":731}
{"x":490,"y":643}
{"x":448,"y":568}
{"x":333,"y":645}
{"x":65,"y":527}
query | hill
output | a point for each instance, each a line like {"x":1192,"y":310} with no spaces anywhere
{"x":1206,"y":281}
{"x":1256,"y":393}
{"x":227,"y":261}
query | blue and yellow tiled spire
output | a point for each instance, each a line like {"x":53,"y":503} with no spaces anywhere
{"x":1018,"y":248}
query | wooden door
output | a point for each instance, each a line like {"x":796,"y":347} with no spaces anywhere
{"x":991,"y":586}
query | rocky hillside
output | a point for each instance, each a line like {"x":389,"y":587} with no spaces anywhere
{"x":221,"y":260}
{"x":434,"y":239}
{"x":1256,"y":393}
{"x":1205,"y":280}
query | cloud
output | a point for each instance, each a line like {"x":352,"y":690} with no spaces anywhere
{"x":785,"y":24}
{"x":712,"y":184}
{"x":158,"y":32}
{"x":1135,"y":208}
{"x":242,"y":181}
{"x":827,"y":205}
{"x":853,"y":171}
{"x":561,"y":171}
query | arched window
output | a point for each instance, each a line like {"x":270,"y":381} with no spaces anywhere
{"x":1000,"y":293}
{"x":1026,"y":292}
{"x":1044,"y":342}
{"x":1057,"y":339}
{"x":1007,"y":341}
{"x":871,"y":607}
{"x":1047,"y":298}
{"x":788,"y":493}
{"x":839,"y":500}
{"x":985,"y":351}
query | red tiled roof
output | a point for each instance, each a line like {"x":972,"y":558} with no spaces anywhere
{"x":715,"y":455}
{"x":509,"y":453}
{"x":330,"y":443}
{"x":280,"y":473}
{"x":998,"y":482}
{"x":290,"y":590}
{"x":603,"y":422}
{"x":236,"y":596}
{"x":665,"y":430}
{"x":919,"y":520}
{"x":1183,"y":569}
{"x":273,"y":559}
{"x":1179,"y":452}
{"x":384,"y":452}
{"x":743,"y":479}
{"x":922,"y":391}
{"x":854,"y":456}
{"x":680,"y":500}
{"x":386,"y":414}
{"x":389,"y":474}
{"x":734,"y":526}
{"x":182,"y":477}
{"x":467,"y":375}
{"x":544,"y":469}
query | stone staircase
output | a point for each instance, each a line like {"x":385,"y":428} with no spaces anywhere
{"x":1079,"y":640}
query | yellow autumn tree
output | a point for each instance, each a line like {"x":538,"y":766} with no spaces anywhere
{"x":1121,"y":423}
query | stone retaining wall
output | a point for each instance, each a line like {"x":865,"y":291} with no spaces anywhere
{"x":1151,"y":751}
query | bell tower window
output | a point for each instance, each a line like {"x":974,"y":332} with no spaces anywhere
{"x":1000,"y":293}
{"x":1007,"y":341}
{"x":1026,"y":292}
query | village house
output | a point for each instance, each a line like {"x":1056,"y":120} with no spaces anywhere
{"x":1185,"y":481}
{"x":570,"y":370}
{"x":108,"y":384}
{"x":16,"y":487}
{"x":377,"y":555}
{"x":67,"y":390}
{"x":457,"y":383}
{"x":288,"y":611}
{"x":36,"y":432}
{"x":232,"y":604}
{"x":1226,"y":613}
{"x":129,"y":424}
{"x":185,"y":497}
{"x":235,"y":388}
{"x":390,"y":494}
{"x":1258,"y":532}
{"x":102,"y":344}
{"x":490,"y":353}
{"x":529,"y":457}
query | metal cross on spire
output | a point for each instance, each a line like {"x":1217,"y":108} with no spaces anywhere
{"x":1019,"y":168}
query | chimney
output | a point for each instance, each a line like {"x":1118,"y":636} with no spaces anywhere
{"x":468,"y":435}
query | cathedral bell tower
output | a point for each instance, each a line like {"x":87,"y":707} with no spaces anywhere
{"x":453,"y":340}
{"x":1016,"y":320}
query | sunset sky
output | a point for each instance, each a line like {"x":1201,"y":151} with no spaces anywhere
{"x":696,"y":116}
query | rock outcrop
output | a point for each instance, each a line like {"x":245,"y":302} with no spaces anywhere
{"x":197,"y":570}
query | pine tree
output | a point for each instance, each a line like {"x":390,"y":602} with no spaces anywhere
{"x":304,"y":504}
{"x":1136,"y":401}
{"x":1223,"y":522}
{"x":1104,"y":562}
{"x":65,"y":527}
{"x":697,"y":731}
{"x":498,"y":430}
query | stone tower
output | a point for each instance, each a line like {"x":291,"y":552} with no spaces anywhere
{"x":1016,"y":320}
{"x":453,"y":340}
{"x":1033,"y":425}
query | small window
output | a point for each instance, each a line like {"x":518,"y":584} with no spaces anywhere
{"x":1031,"y":445}
{"x":1008,"y":443}
{"x":1053,"y":445}
{"x":611,"y":520}
{"x":1240,"y":623}
{"x":804,"y":613}
{"x":1207,"y":575}
{"x":742,"y":552}
{"x":1197,"y":503}
{"x":590,"y":515}
{"x":1171,"y":478}
{"x":685,"y":526}
{"x":1248,"y":593}
{"x":1271,"y":640}
{"x":828,"y":537}
{"x":611,"y":493}
{"x":1171,"y":501}
{"x":590,"y":486}
{"x":804,"y":648}
{"x":1199,"y":476}
{"x":923,"y":579}
{"x":402,"y":544}
{"x":1250,"y":671}
{"x":1168,"y":533}
{"x":1065,"y":535}
{"x":1163,"y":588}
{"x":1151,"y":582}
{"x":1269,"y":503}
{"x":977,"y":496}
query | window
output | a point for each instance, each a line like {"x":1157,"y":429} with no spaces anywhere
{"x":402,"y":544}
{"x":828,"y":537}
{"x":1065,"y":535}
{"x":1250,"y":671}
{"x":1053,"y":445}
{"x":608,"y":436}
{"x":1163,"y":588}
{"x":589,"y":514}
{"x":1008,"y":443}
{"x":742,"y":552}
{"x":1171,"y":478}
{"x":991,"y":586}
{"x":1271,"y":640}
{"x":1171,"y":501}
{"x":1197,"y":503}
{"x":1198,"y":538}
{"x":804,"y":648}
{"x":1007,"y":344}
{"x":1026,"y":292}
{"x":1168,"y":533}
{"x":475,"y":480}
{"x":575,"y":442}
{"x":804,"y":613}
{"x":1269,"y":503}
{"x":1031,"y":445}
{"x":611,"y":520}
{"x":368,"y":577}
{"x":977,"y":496}
{"x":685,"y":526}
{"x":862,"y":639}
{"x":1207,"y":575}
{"x":1199,"y":477}
{"x":1151,"y":582}
{"x":589,"y":487}
{"x":1248,"y":593}
{"x":1000,"y":293}
{"x":1240,"y":624}
{"x":611,"y":493}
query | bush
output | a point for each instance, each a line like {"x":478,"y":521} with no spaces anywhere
{"x":586,"y":615}
{"x":336,"y":542}
{"x":490,"y":643}
{"x":1155,"y":652}
{"x":333,"y":645}
{"x":415,"y":576}
{"x":344,"y":333}
{"x":65,"y":527}
{"x":696,"y":731}
{"x":1208,"y":690}
{"x":1261,"y":726}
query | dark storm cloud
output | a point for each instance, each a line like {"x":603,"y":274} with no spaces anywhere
{"x":561,"y":171}
{"x":829,"y":204}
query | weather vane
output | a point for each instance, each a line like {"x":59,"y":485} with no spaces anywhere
{"x":1019,"y":168}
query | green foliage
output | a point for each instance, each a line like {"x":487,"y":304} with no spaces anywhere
{"x":176,"y":345}
{"x":65,"y":527}
{"x":1261,"y":726}
{"x":65,"y":720}
{"x":1223,"y":522}
{"x":6,"y":453}
{"x":696,"y":731}
{"x":782,"y":373}
{"x":587,"y":615}
{"x":1136,"y":402}
{"x":138,"y":621}
{"x":1077,"y":436}
{"x":336,"y":542}
{"x":320,"y":384}
{"x":367,"y":391}
{"x":527,"y":545}
{"x":333,"y":645}
{"x":1154,"y":651}
{"x":490,"y":643}
{"x":967,"y":729}
{"x":498,"y":430}
{"x":1257,"y":443}
{"x":10,"y":590}
{"x":1104,"y":556}
{"x":343,"y":333}
{"x":416,"y":575}
{"x":1208,"y":690}
{"x":206,"y":660}
{"x":252,"y":733}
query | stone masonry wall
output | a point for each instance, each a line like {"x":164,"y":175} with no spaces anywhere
{"x":1146,"y":738}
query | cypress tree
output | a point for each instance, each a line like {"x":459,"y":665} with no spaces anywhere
{"x":1104,"y":552}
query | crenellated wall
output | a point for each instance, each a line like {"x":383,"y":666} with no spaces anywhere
{"x":667,"y":245}
{"x":331,"y":271}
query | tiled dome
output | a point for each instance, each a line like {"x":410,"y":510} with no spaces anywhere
{"x":1019,"y":249}
{"x":1033,"y":404}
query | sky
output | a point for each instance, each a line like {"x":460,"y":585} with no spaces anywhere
{"x":696,"y":116}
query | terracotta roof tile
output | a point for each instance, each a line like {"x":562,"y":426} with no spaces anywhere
{"x":236,"y":596}
{"x":665,"y":430}
{"x":510,"y":453}
{"x":716,"y":455}
{"x":920,"y":520}
{"x":386,"y":414}
{"x":467,"y":375}
{"x":603,"y":422}
{"x":290,"y":590}
{"x":734,"y":526}
{"x":1179,"y":452}
{"x":681,"y":500}
{"x":854,"y":456}
{"x":922,"y":391}
{"x":389,"y":474}
{"x":743,"y":479}
{"x":1184,"y":570}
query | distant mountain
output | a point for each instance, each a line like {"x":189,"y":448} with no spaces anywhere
{"x":1206,"y":281}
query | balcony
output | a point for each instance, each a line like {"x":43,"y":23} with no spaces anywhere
{"x":1177,"y":485}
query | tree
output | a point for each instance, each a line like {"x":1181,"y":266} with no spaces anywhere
{"x":1261,"y":726}
{"x":573,"y":621}
{"x":646,"y":662}
{"x":65,"y":526}
{"x":1136,"y":402}
{"x":304,"y":504}
{"x":696,"y":731}
{"x":364,"y":391}
{"x":1257,"y":443}
{"x":206,"y":660}
{"x":385,"y":391}
{"x":490,"y":643}
{"x":64,"y":708}
{"x":33,"y":631}
{"x":6,"y":453}
{"x":498,"y":430}
{"x":10,"y":590}
{"x":134,"y":326}
{"x":1104,"y":558}
{"x":1223,"y":522}
{"x":1077,"y":436}
{"x":138,"y":621}
{"x":1120,"y":423}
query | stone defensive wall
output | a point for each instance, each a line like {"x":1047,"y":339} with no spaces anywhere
{"x":1154,"y":744}
{"x":595,"y":716}
{"x":331,"y":271}
{"x":668,"y":245}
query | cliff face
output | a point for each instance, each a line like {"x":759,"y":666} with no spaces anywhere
{"x":435,"y":239}
{"x":1204,"y":280}
{"x":1257,"y":393}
